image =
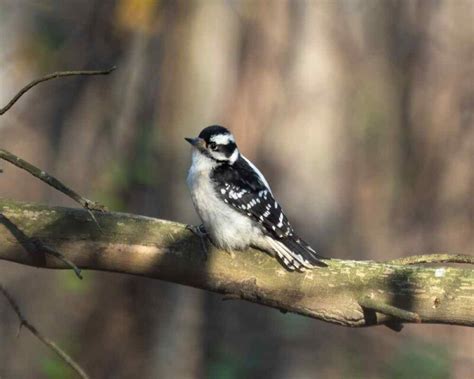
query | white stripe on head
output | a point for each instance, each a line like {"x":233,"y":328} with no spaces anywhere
{"x":260,"y":175}
{"x":223,"y":139}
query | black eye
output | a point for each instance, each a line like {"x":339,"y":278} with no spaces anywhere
{"x":212,"y":146}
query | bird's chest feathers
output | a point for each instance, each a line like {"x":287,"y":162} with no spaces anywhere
{"x":228,"y":228}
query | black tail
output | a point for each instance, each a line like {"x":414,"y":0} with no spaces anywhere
{"x":296,"y":254}
{"x":298,"y":246}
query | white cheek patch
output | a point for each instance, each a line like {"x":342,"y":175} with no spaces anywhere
{"x":234,"y":156}
{"x":223,"y":139}
{"x":218,"y":156}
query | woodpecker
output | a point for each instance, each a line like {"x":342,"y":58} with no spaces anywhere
{"x":236,"y":205}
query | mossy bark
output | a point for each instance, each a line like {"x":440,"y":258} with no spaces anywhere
{"x":349,"y":293}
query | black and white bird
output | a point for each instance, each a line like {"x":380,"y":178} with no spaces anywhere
{"x":236,"y":204}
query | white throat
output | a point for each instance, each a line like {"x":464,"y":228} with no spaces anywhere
{"x":201,"y":162}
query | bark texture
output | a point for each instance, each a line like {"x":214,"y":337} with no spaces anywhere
{"x":348,"y":293}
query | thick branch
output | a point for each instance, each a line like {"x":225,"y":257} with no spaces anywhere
{"x":433,"y":258}
{"x":32,"y":245}
{"x":349,"y":293}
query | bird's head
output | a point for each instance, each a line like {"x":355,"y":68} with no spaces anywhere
{"x":216,"y":143}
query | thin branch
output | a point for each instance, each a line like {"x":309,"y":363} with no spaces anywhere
{"x":54,"y":75}
{"x":24,"y":322}
{"x":48,"y":250}
{"x":433,"y":258}
{"x":40,"y":174}
{"x":368,"y":302}
{"x":89,"y":205}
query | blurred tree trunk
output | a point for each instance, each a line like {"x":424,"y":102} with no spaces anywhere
{"x":366,"y":106}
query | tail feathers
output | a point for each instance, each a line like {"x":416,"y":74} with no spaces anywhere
{"x":297,"y":245}
{"x":285,"y":255}
{"x":295,"y":254}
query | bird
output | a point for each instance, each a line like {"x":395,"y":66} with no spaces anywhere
{"x":236,"y":204}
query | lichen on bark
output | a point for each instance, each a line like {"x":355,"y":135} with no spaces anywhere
{"x":347,"y":292}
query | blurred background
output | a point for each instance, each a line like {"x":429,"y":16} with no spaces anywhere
{"x":360,"y":114}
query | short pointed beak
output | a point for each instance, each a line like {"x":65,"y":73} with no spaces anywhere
{"x":197,"y":143}
{"x":192,"y":141}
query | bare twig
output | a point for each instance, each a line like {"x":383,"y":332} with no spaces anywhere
{"x":24,"y":322}
{"x":53,"y":182}
{"x":40,"y":174}
{"x":433,"y":258}
{"x":368,"y":302}
{"x":54,"y":75}
{"x":48,"y":250}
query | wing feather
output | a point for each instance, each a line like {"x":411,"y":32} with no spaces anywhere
{"x":244,"y":188}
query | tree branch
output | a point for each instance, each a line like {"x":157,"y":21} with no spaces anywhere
{"x":168,"y":251}
{"x":54,"y":75}
{"x":53,"y":182}
{"x":370,"y":303}
{"x":32,"y":245}
{"x":24,"y":322}
{"x":50,"y":180}
{"x":433,"y":258}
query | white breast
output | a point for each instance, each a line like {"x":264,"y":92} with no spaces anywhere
{"x":228,"y":228}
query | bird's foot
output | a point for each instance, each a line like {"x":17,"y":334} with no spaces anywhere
{"x":200,"y":231}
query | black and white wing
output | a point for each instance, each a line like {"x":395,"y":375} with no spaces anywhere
{"x":245,"y":189}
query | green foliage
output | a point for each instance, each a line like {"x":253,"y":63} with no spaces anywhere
{"x":223,"y":369}
{"x":421,"y":361}
{"x":115,"y":178}
{"x":123,"y":175}
{"x":142,"y":167}
{"x":291,"y":325}
{"x":48,"y":38}
{"x":230,"y":363}
{"x":69,"y":282}
{"x":55,"y":368}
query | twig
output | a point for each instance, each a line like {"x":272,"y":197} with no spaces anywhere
{"x":33,"y":245}
{"x":89,"y":205}
{"x":24,"y":322}
{"x":433,"y":258}
{"x":49,"y":250}
{"x":54,"y":75}
{"x":389,"y":310}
